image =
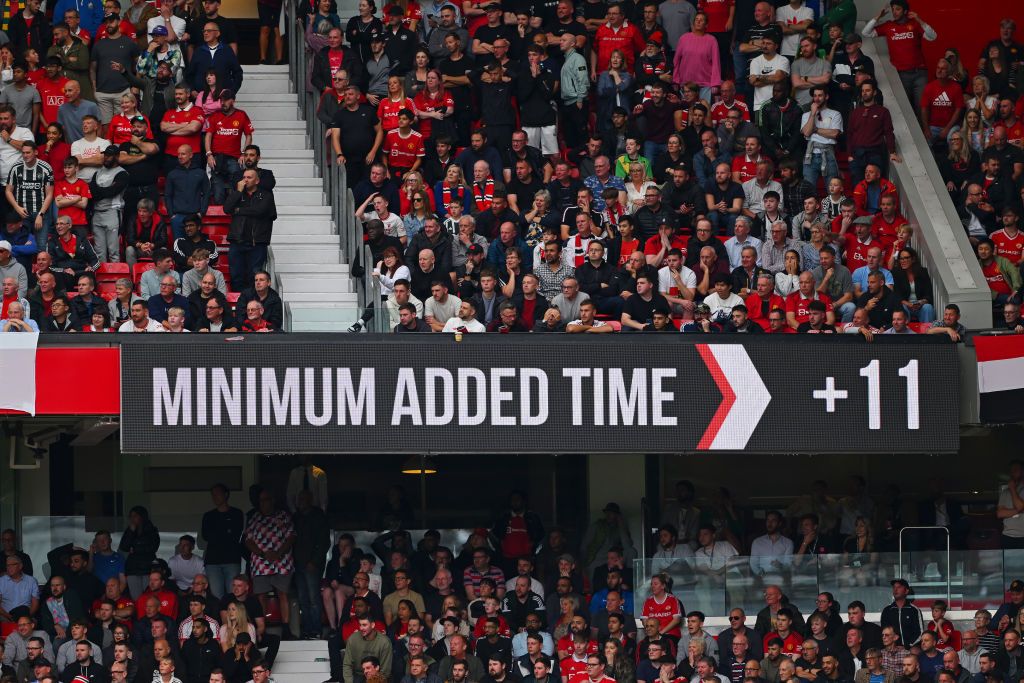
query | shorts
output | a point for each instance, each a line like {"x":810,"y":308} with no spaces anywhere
{"x":269,"y":16}
{"x":543,"y":138}
{"x":278,"y":583}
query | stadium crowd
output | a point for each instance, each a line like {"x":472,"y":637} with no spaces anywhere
{"x":597,"y":167}
{"x":126,"y":170}
{"x":518,"y":603}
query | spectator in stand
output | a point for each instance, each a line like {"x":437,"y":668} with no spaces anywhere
{"x":821,"y":126}
{"x":767,"y":69}
{"x":941,"y":106}
{"x":227,"y":133}
{"x":1004,"y":279}
{"x":161,"y":303}
{"x":107,"y":188}
{"x":187,"y":191}
{"x":868,"y":193}
{"x":112,"y":56}
{"x":273,"y":309}
{"x":182,"y":127}
{"x":724,"y":197}
{"x":191,"y":279}
{"x":913,"y":287}
{"x":780,"y":125}
{"x":878,"y":301}
{"x":71,"y":253}
{"x":808,"y":70}
{"x":870,"y":136}
{"x":697,"y":56}
{"x":24,"y":97}
{"x":163,"y":264}
{"x":209,"y":56}
{"x":253,"y":213}
{"x":904,"y":34}
{"x":193,"y":240}
{"x":357,"y":146}
{"x":269,"y":535}
{"x":29,"y":191}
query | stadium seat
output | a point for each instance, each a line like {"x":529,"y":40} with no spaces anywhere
{"x":139,"y":269}
{"x":615,"y":325}
{"x":107,"y":289}
{"x":6,"y":629}
{"x":919,"y":328}
{"x":110,"y":272}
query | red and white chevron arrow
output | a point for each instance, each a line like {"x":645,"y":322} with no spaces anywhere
{"x":744,"y":397}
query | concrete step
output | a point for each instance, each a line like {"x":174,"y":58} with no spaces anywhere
{"x":271,"y":85}
{"x":265,"y":98}
{"x":285,"y":125}
{"x":264,"y":69}
{"x":319,"y":268}
{"x":285,"y":254}
{"x":291,"y":209}
{"x":322,"y":227}
{"x":297,"y":668}
{"x":314,"y":299}
{"x":293,"y":156}
{"x":274,"y":112}
{"x":315,"y":282}
{"x":298,"y":195}
{"x":307,"y":240}
{"x":297,"y":183}
{"x":291,"y":168}
{"x":273,"y":141}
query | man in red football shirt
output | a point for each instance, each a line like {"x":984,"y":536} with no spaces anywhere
{"x":904,"y":36}
{"x":617,"y":34}
{"x":403,"y":146}
{"x":797,"y":302}
{"x":887,"y":222}
{"x":182,"y":125}
{"x":1008,"y":240}
{"x":942,"y":105}
{"x":71,"y":195}
{"x":225,"y":131}
{"x":51,"y":91}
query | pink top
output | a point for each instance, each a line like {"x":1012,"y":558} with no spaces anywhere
{"x":209,"y":105}
{"x":696,"y":60}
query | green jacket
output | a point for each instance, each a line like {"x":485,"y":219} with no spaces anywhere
{"x":1009,"y":272}
{"x":76,"y":65}
{"x":575,"y":81}
{"x":358,"y":647}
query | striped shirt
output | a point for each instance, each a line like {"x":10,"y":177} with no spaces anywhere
{"x":30,"y":183}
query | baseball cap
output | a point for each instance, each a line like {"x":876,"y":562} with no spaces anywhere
{"x":492,"y":7}
{"x":138,"y":119}
{"x":852,"y":38}
{"x":192,"y":218}
{"x":159,"y":31}
{"x":901,"y":581}
{"x":395,"y":11}
{"x":475,"y":249}
{"x":41,"y":661}
{"x":1015,"y":587}
{"x":4,"y":244}
{"x":702,"y":308}
{"x":111,"y":149}
{"x":377,"y":37}
{"x":612,"y":507}
{"x":227,"y":94}
{"x":111,"y":15}
{"x":653,"y":41}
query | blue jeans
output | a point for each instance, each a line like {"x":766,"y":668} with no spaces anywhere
{"x":724,"y":223}
{"x":740,"y":63}
{"x":220,"y":577}
{"x":845,"y":312}
{"x":812,"y":169}
{"x":308,"y":585}
{"x":178,"y":224}
{"x":862,"y":156}
{"x":43,"y":233}
{"x":925,"y":314}
{"x":219,"y":182}
{"x":243,"y":262}
{"x":653,"y":149}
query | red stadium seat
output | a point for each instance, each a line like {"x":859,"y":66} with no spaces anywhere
{"x":614,"y":324}
{"x":71,"y":294}
{"x":6,"y":629}
{"x":233,"y":297}
{"x":161,"y":208}
{"x":108,"y":290}
{"x":109,"y":272}
{"x":920,"y":328}
{"x":141,"y":268}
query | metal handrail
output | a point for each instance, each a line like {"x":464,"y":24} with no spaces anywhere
{"x":334,"y":178}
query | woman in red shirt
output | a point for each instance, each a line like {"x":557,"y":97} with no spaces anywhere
{"x":120,"y":128}
{"x":433,"y":105}
{"x":396,"y":101}
{"x":55,"y":151}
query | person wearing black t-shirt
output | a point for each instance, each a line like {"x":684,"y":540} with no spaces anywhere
{"x":140,"y":157}
{"x":483,"y":40}
{"x":638,"y":311}
{"x":455,"y":71}
{"x":356,"y":135}
{"x":523,"y":187}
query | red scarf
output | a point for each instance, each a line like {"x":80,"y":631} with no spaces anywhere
{"x":613,"y":215}
{"x":483,"y":197}
{"x":579,"y":249}
{"x":446,"y":193}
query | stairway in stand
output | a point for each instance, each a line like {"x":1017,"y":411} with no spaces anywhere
{"x":309,"y":269}
{"x":302,"y":661}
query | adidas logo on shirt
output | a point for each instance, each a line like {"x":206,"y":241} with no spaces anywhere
{"x":942,"y":100}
